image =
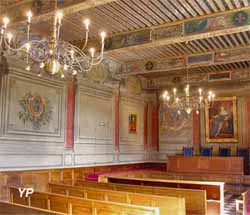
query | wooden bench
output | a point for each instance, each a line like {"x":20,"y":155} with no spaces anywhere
{"x":245,"y":201}
{"x":214,"y":190}
{"x":7,"y":208}
{"x":75,"y":206}
{"x":167,"y":204}
{"x":195,"y":200}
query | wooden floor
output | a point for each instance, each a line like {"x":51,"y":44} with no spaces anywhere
{"x":233,"y":192}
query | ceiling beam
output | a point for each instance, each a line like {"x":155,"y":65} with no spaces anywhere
{"x":218,"y":24}
{"x":42,"y":10}
{"x":191,"y":61}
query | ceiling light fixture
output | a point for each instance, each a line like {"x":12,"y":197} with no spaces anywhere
{"x":54,"y":55}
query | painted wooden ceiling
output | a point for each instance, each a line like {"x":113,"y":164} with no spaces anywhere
{"x":119,"y":17}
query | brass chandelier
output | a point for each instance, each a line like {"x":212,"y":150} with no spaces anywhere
{"x":54,"y":56}
{"x":186,"y":101}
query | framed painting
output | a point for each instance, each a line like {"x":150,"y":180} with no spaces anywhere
{"x":132,"y":127}
{"x":221,"y":121}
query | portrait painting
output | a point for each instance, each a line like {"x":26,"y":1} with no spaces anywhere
{"x":221,"y":121}
{"x":132,"y":127}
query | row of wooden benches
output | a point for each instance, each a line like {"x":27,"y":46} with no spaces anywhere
{"x":106,"y":198}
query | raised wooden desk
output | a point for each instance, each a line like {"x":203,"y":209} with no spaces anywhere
{"x":204,"y":164}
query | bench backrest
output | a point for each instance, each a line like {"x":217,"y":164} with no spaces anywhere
{"x":167,"y":204}
{"x":157,"y":178}
{"x":195,"y":200}
{"x":11,"y":208}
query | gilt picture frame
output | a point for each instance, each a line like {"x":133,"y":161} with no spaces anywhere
{"x":221,"y":120}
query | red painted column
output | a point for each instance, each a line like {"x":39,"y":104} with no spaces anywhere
{"x":196,"y":131}
{"x":154,"y":117}
{"x":70,"y":115}
{"x":247,"y":122}
{"x":116,"y":108}
{"x":145,"y":127}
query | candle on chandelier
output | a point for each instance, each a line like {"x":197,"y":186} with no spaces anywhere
{"x":5,"y":22}
{"x":72,"y":53}
{"x":29,"y":16}
{"x":28,"y":68}
{"x":209,"y":97}
{"x":9,"y":37}
{"x":165,"y":94}
{"x":174,"y":91}
{"x":103,"y":35}
{"x":74,"y":72}
{"x":42,"y":65}
{"x":92,"y":52}
{"x":200,"y":91}
{"x":65,"y":67}
{"x":187,"y":90}
{"x":200,"y":98}
{"x":28,"y":46}
{"x":87,"y":24}
{"x":59,"y":16}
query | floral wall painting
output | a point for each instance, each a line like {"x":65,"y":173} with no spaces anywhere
{"x":36,"y":110}
{"x":221,"y":121}
{"x":132,"y":127}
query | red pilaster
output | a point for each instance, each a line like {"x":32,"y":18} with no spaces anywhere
{"x":145,"y":127}
{"x":116,"y":108}
{"x":70,"y":115}
{"x":247,"y":122}
{"x":196,"y":131}
{"x":154,"y":117}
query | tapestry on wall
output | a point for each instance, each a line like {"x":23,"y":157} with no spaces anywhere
{"x":221,"y":121}
{"x":174,"y":123}
{"x":35,"y":109}
{"x":132,"y":123}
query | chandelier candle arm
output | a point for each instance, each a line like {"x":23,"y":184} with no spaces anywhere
{"x":87,"y":24}
{"x":29,"y":16}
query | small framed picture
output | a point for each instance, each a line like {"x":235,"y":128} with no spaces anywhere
{"x":132,"y":127}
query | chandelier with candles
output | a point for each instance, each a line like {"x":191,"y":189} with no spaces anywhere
{"x":186,"y":101}
{"x":54,"y":56}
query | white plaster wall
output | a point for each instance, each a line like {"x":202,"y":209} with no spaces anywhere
{"x":22,"y":147}
{"x":93,"y":125}
{"x":131,"y":144}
